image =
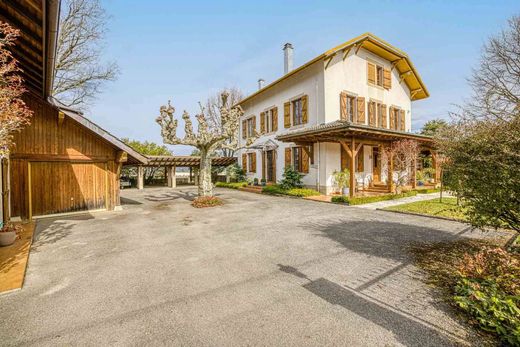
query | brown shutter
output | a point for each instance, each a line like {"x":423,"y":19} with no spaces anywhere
{"x":387,"y":79}
{"x":392,"y":117}
{"x":343,"y":106}
{"x":254,"y":125}
{"x":305,"y":102}
{"x":383,"y":117}
{"x":345,"y":159}
{"x":287,"y":115}
{"x":287,"y":157}
{"x":402,"y":119}
{"x":305,"y":160}
{"x":360,"y":160}
{"x":371,"y":113}
{"x":361,"y":110}
{"x":244,"y":129}
{"x":371,"y":73}
{"x":244,"y":162}
{"x":253,"y":162}
{"x":262,"y":122}
{"x":275,"y":119}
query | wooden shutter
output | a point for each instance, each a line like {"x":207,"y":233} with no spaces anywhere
{"x":287,"y":157}
{"x":387,"y":78}
{"x":305,"y":102}
{"x":263,"y":164}
{"x":287,"y":115}
{"x":371,"y":73}
{"x":304,"y":152}
{"x":254,"y":125}
{"x":345,"y":159}
{"x":360,"y":158}
{"x":244,"y":162}
{"x":244,"y":129}
{"x":402,"y":120}
{"x":275,"y":119}
{"x":262,"y":122}
{"x":383,"y":117}
{"x":343,"y":106}
{"x":361,"y":110}
{"x":253,"y":162}
{"x":371,"y":113}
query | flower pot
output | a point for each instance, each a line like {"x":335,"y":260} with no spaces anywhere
{"x":345,"y":191}
{"x":7,"y":238}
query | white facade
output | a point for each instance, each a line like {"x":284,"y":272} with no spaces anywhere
{"x":323,"y":82}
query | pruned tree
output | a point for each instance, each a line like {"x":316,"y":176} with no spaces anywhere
{"x":14,"y":113}
{"x":403,"y":153}
{"x":79,"y":72}
{"x":208,"y":140}
{"x":482,"y":144}
{"x":212,"y":112}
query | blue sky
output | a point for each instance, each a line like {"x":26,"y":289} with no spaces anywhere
{"x":187,"y":50}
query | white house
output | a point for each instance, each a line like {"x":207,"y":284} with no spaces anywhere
{"x":348,"y":102}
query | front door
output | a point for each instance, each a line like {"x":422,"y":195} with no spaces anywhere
{"x":270,"y":166}
{"x":376,"y":165}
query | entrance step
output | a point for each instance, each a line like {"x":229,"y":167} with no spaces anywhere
{"x":252,"y":189}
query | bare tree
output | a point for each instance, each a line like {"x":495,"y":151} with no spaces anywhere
{"x":212,"y":112}
{"x":403,"y":154}
{"x":79,"y":72}
{"x":208,"y":140}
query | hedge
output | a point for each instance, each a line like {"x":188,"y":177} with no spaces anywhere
{"x":233,"y":185}
{"x":360,"y":200}
{"x":275,"y":189}
{"x":427,"y":190}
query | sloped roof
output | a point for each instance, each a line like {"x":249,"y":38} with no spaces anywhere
{"x":187,"y":160}
{"x":375,"y":45}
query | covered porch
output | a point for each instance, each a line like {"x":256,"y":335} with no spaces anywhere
{"x":361,"y":150}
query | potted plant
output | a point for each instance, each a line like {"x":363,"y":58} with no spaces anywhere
{"x":255,"y":181}
{"x":263,"y":181}
{"x":9,"y":234}
{"x":342,"y":179}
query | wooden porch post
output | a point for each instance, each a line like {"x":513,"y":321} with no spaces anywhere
{"x":391,"y":172}
{"x":140,"y":177}
{"x":352,"y":190}
{"x":190,"y":178}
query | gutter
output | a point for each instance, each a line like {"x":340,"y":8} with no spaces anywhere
{"x":51,"y":26}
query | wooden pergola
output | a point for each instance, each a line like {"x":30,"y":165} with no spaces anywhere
{"x":352,"y":137}
{"x":171,"y":162}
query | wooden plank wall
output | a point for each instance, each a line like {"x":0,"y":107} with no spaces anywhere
{"x":47,"y":140}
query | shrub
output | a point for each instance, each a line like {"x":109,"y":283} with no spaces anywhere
{"x":237,"y":172}
{"x":276,"y":189}
{"x":427,"y":190}
{"x":291,"y":178}
{"x":488,"y":289}
{"x":234,"y":185}
{"x":360,"y":200}
{"x":206,"y":201}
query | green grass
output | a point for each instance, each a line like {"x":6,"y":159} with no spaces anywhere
{"x":234,"y":185}
{"x":360,"y":200}
{"x":447,"y":208}
{"x":275,"y":189}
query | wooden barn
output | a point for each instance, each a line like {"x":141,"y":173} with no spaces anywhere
{"x":61,"y":162}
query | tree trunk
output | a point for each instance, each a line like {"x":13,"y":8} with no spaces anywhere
{"x":205,"y":184}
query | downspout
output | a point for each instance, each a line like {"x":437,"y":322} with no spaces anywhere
{"x":317,"y":122}
{"x":51,"y":23}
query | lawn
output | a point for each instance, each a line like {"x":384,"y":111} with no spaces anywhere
{"x":447,"y":208}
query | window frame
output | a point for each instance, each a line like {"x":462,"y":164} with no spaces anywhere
{"x":298,"y":100}
{"x":249,"y":126}
{"x":351,"y":100}
{"x":269,"y":119}
{"x":250,"y":163}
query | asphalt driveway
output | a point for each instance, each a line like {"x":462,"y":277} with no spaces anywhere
{"x":259,"y":271}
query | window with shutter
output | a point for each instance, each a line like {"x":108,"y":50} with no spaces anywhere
{"x":275,"y":119}
{"x":244,"y":129}
{"x":403,"y":120}
{"x":287,"y":157}
{"x":244,"y":162}
{"x":343,"y":106}
{"x":387,"y":80}
{"x":305,"y":107}
{"x":262,"y":122}
{"x":287,"y":115}
{"x":252,"y":162}
{"x":371,"y":73}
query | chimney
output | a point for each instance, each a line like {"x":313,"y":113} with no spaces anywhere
{"x":261,"y":83}
{"x":288,"y":58}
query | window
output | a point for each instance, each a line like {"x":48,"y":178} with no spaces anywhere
{"x":270,"y":120}
{"x":297,"y":111}
{"x":351,"y":108}
{"x":251,"y":160}
{"x":376,"y":74}
{"x":297,"y":158}
{"x":250,"y":126}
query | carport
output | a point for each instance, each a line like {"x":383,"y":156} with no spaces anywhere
{"x":170,"y":164}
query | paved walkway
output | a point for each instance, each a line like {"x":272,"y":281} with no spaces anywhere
{"x":388,"y":203}
{"x":257,"y":271}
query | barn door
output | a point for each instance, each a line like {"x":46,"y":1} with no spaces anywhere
{"x":58,"y":187}
{"x":4,"y":190}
